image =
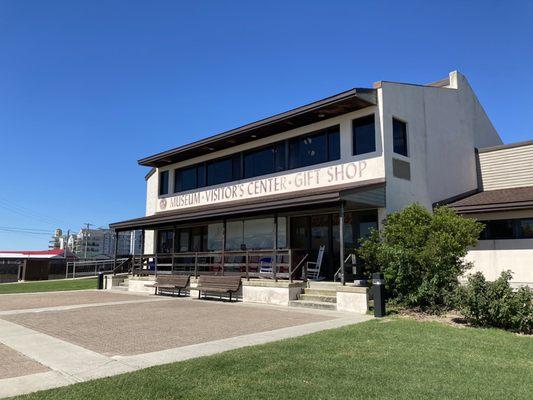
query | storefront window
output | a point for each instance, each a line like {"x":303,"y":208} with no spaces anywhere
{"x":259,"y":233}
{"x":165,"y":241}
{"x":184,"y":240}
{"x":215,"y":236}
{"x":234,"y":235}
{"x":282,"y":232}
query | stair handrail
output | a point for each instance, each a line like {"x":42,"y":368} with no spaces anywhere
{"x":298,"y":266}
{"x":338,"y":274}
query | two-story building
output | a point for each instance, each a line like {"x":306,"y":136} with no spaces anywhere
{"x":274,"y":192}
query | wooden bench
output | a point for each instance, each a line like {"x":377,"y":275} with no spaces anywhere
{"x":170,"y":283}
{"x":218,"y":284}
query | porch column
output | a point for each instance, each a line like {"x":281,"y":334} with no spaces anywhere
{"x":275,"y":250}
{"x":341,"y":241}
{"x":141,"y":258}
{"x":223,"y":257}
{"x":116,"y":250}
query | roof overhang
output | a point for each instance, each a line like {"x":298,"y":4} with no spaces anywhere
{"x":329,"y":107}
{"x":353,"y":193}
{"x":519,"y":198}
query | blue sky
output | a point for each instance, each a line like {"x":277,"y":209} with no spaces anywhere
{"x":89,"y":87}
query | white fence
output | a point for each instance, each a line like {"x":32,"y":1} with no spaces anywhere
{"x":77,"y":269}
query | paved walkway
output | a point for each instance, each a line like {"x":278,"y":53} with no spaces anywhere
{"x":78,"y":342}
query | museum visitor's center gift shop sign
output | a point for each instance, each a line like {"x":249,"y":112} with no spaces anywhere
{"x":316,"y":178}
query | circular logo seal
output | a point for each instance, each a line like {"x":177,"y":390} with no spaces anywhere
{"x":163,"y":204}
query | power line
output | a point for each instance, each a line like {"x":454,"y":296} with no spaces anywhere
{"x":29,"y":213}
{"x":26,"y":229}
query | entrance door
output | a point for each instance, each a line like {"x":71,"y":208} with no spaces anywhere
{"x":308,"y":233}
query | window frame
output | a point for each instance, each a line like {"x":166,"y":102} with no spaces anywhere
{"x":160,"y":186}
{"x":354,"y":142}
{"x":407,"y":141}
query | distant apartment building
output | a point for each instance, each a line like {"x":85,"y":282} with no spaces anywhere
{"x":96,"y":243}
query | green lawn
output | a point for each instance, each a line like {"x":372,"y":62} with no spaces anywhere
{"x":48,"y":286}
{"x":385,"y":359}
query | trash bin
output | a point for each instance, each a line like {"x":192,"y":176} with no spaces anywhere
{"x":378,"y":288}
{"x":100,"y":280}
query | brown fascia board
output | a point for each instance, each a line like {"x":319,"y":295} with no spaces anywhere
{"x":364,"y":96}
{"x":494,"y":207}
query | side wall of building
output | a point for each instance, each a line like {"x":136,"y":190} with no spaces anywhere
{"x":445,"y":125}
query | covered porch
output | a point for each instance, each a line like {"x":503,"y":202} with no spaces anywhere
{"x":273,"y":239}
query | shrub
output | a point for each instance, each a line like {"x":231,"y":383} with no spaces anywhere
{"x":421,"y":255}
{"x":485,"y":303}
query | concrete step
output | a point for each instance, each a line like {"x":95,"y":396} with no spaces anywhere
{"x":321,"y":285}
{"x":317,"y":305}
{"x":318,"y":298}
{"x":121,"y":288}
{"x":320,"y":292}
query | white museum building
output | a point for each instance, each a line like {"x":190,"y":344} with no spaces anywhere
{"x":306,"y":184}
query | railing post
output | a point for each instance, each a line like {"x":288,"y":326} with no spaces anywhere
{"x":196,"y":264}
{"x":155,"y":265}
{"x":247,"y":265}
{"x":74,"y":271}
{"x":290,"y":265}
{"x":305,"y":272}
{"x":172,"y":264}
{"x":66,"y":271}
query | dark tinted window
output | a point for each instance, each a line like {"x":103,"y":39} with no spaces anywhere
{"x":200,"y":175}
{"x":264,"y":161}
{"x":364,"y":135}
{"x":185,"y":179}
{"x":334,"y":143}
{"x":164,"y":241}
{"x":308,"y":150}
{"x":224,"y":170}
{"x":526,"y":228}
{"x":498,"y":229}
{"x":259,"y":162}
{"x":163,"y":183}
{"x":399,"y":133}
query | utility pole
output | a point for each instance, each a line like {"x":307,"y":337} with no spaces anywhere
{"x":88,"y":226}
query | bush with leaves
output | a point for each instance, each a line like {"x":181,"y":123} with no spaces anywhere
{"x":496,"y":304}
{"x":421,"y":255}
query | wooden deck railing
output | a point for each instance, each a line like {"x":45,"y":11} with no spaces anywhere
{"x":275,"y":264}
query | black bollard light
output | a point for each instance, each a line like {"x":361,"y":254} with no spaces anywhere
{"x":378,"y":286}
{"x":100,"y":280}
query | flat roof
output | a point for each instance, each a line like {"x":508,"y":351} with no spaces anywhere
{"x":320,"y":110}
{"x":496,"y":200}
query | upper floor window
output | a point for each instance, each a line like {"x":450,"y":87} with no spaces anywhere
{"x":163,"y":182}
{"x":224,"y":170}
{"x":399,"y":134}
{"x":266,"y":160}
{"x":364,"y":135}
{"x":314,"y":148}
{"x":185,"y":179}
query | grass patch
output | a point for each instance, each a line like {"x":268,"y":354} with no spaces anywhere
{"x":387,"y":359}
{"x":48,"y":286}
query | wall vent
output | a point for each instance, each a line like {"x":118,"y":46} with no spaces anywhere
{"x":401,"y":169}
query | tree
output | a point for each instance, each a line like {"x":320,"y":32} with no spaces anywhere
{"x":421,"y":255}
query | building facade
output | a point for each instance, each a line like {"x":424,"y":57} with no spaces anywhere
{"x":316,"y":177}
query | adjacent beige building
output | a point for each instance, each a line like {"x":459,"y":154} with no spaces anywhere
{"x":504,"y":202}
